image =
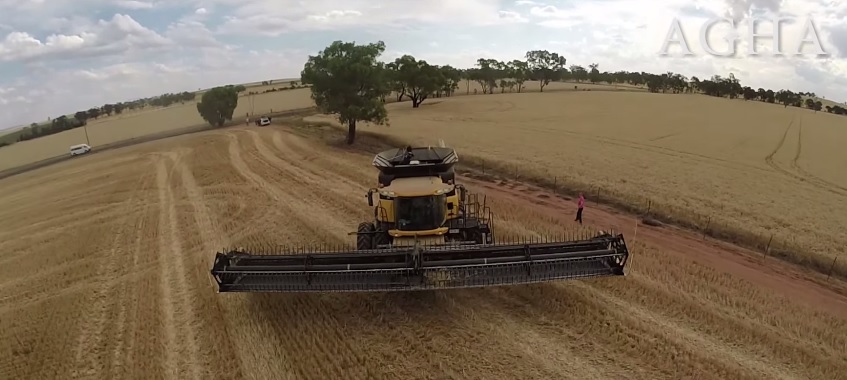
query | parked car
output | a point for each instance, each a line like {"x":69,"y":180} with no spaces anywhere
{"x":263,"y":121}
{"x":80,"y":149}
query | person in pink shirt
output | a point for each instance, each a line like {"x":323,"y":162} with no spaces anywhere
{"x":580,"y":205}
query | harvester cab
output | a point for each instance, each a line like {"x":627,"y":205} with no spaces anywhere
{"x":417,"y":201}
{"x":427,"y":232}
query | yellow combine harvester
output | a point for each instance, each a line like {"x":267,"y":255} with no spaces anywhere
{"x":428,"y":233}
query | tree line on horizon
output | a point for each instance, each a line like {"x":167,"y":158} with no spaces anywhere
{"x":81,"y":118}
{"x":350,"y":81}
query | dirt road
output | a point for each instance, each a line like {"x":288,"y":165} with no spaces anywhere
{"x":105,"y":275}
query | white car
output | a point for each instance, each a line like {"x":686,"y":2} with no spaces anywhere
{"x":80,"y":149}
{"x":263,"y":121}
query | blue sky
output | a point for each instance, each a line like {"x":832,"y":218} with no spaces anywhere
{"x":59,"y":56}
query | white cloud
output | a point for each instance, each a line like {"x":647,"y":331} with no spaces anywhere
{"x":134,"y":4}
{"x":120,"y":59}
{"x":118,"y":35}
{"x":335,"y":16}
{"x":273,"y":18}
{"x":510,"y":16}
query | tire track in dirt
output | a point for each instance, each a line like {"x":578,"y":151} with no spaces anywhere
{"x":820,"y":182}
{"x":50,"y":229}
{"x":804,"y":176}
{"x":311,"y":178}
{"x":755,"y":343}
{"x":769,"y":158}
{"x":322,"y":327}
{"x":227,"y":191}
{"x":317,"y":218}
{"x":128,"y":315}
{"x":684,"y":336}
{"x":357,"y":176}
{"x":181,"y":350}
{"x":535,"y":340}
{"x":89,"y":342}
{"x":223,"y":359}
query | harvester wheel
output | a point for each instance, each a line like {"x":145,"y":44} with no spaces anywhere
{"x":364,"y":236}
{"x":380,"y":238}
{"x":475,"y":235}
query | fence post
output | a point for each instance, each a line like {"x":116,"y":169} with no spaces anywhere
{"x":708,"y":222}
{"x":831,"y":267}
{"x":768,"y":247}
{"x":555,"y":184}
{"x":598,"y":194}
{"x":483,"y":166}
{"x":649,"y":204}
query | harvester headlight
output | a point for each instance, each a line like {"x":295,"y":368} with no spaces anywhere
{"x":440,"y":191}
{"x":387,"y":193}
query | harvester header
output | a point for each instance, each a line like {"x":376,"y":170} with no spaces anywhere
{"x":427,"y":233}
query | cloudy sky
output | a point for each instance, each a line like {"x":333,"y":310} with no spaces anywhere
{"x":59,"y":56}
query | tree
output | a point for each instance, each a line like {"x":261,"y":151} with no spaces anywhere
{"x":810,"y":103}
{"x":593,"y":73}
{"x":422,"y":80}
{"x":749,"y":93}
{"x":519,"y":72}
{"x":416,"y":79}
{"x":578,"y":73}
{"x":486,"y":74}
{"x":82,"y":116}
{"x":217,"y":105}
{"x":451,"y":77}
{"x":108,"y":109}
{"x":545,"y":66}
{"x":346,"y":79}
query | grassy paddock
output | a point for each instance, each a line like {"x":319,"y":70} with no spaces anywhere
{"x":713,"y":165}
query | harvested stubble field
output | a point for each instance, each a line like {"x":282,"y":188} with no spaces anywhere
{"x":105,"y":275}
{"x":747,"y":168}
{"x":136,"y":124}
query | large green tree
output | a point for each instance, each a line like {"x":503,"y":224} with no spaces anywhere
{"x":347,"y":80}
{"x":217,"y":105}
{"x":545,"y":66}
{"x":418,"y":79}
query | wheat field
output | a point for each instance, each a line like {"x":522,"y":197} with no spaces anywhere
{"x":106,"y":275}
{"x":737,"y":165}
{"x":150,"y":121}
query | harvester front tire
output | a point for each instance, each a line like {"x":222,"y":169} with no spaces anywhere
{"x":380,"y":238}
{"x":364,"y":236}
{"x":475,"y":235}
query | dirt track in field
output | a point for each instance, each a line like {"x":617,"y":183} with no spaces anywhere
{"x":105,"y":275}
